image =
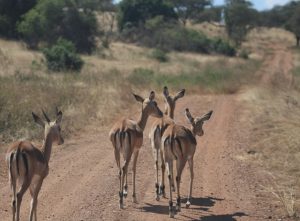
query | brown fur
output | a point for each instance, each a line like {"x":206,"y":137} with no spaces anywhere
{"x":29,"y":164}
{"x":157,"y":130}
{"x":127,"y":138}
{"x":179,"y":143}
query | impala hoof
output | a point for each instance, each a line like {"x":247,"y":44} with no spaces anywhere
{"x":188,"y":203}
{"x":157,"y":198}
{"x":171,"y":214}
{"x":178,"y":208}
{"x":134,"y":199}
{"x":173,"y":189}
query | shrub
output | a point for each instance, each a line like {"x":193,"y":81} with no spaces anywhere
{"x":244,"y":54}
{"x":168,"y":36}
{"x":222,"y":47}
{"x":62,"y":56}
{"x":159,"y":55}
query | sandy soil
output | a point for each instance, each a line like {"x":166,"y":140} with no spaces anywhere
{"x":83,"y":182}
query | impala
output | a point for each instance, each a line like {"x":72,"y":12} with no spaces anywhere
{"x":127,"y":138}
{"x":156,"y":132}
{"x":28,"y":164}
{"x":179,"y":143}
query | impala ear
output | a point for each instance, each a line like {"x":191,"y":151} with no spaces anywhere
{"x":206,"y":116}
{"x":189,"y":116}
{"x":58,"y":117}
{"x":180,"y":94}
{"x":138,"y":98}
{"x":38,"y":120}
{"x":165,"y":92}
{"x":152,"y":95}
{"x":46,"y":117}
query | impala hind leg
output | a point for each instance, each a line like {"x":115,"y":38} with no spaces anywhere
{"x":135,"y":156}
{"x":179,"y":165}
{"x":125,"y":188}
{"x":117,"y":157}
{"x":123,"y":174}
{"x":13,"y":202}
{"x":155,"y":153}
{"x":191,"y":165}
{"x":19,"y":197}
{"x":34,"y":192}
{"x":169,"y":165}
{"x":162,"y":191}
{"x":155,"y":144}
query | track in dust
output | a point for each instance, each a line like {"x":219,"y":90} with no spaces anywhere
{"x":83,"y":182}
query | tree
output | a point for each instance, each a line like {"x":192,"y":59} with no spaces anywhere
{"x":51,"y":19}
{"x":286,"y":16}
{"x":211,"y":14}
{"x":240,"y":17}
{"x":10,"y":13}
{"x":293,"y":24}
{"x":137,"y":12}
{"x":189,"y":9}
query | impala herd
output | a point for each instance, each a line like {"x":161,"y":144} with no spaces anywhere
{"x":28,"y":165}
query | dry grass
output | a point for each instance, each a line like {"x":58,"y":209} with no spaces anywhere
{"x":210,"y":29}
{"x":275,"y":140}
{"x":102,"y":89}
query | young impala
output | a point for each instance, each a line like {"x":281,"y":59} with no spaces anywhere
{"x":127,"y":138}
{"x":179,"y":143}
{"x":29,"y":165}
{"x":156,"y":132}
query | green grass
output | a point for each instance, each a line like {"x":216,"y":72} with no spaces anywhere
{"x":213,"y":78}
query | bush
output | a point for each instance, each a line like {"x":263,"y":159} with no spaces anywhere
{"x":168,"y":36}
{"x":222,"y":47}
{"x":159,"y":55}
{"x":62,"y":56}
{"x":244,"y":54}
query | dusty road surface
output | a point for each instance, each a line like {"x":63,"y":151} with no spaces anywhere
{"x":83,"y":182}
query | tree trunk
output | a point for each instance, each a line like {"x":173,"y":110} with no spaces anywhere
{"x":298,"y":40}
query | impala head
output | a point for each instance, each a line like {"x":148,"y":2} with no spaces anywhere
{"x":149,"y":105}
{"x":52,"y":128}
{"x":170,"y":101}
{"x":197,"y":122}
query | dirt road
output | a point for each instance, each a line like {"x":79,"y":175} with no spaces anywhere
{"x":83,"y":182}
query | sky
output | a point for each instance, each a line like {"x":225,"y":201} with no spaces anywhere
{"x":260,"y":4}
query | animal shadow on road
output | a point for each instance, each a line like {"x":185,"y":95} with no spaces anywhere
{"x":226,"y":217}
{"x":159,"y":209}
